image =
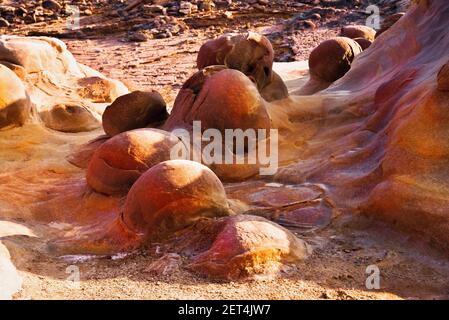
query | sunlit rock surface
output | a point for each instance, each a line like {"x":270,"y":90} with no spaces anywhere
{"x":374,"y":143}
{"x":65,"y":95}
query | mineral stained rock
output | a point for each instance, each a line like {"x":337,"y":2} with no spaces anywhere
{"x":246,"y":245}
{"x":15,"y":105}
{"x":135,"y":110}
{"x":358,"y":31}
{"x":328,"y":62}
{"x":67,"y":96}
{"x":388,"y":22}
{"x":221,"y":99}
{"x":121,"y":160}
{"x":171,"y":196}
{"x":251,"y":54}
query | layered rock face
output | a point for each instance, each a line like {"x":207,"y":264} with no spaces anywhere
{"x":64,"y":95}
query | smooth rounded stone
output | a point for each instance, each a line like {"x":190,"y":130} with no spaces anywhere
{"x":221,"y":99}
{"x":275,"y":90}
{"x":443,"y":78}
{"x":358,"y":31}
{"x":135,"y":110}
{"x":388,"y":22}
{"x":363,"y":43}
{"x":51,"y":5}
{"x":69,"y":118}
{"x":246,"y":245}
{"x":249,"y":53}
{"x":121,"y":160}
{"x":214,"y":51}
{"x":171,"y":196}
{"x":332,"y":58}
{"x":15,"y":105}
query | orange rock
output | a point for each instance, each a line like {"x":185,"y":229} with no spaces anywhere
{"x":358,"y":31}
{"x":120,"y":161}
{"x":388,"y":22}
{"x":332,"y":58}
{"x":443,"y":78}
{"x":15,"y":104}
{"x":171,"y":196}
{"x":249,"y":53}
{"x":245,"y":245}
{"x":220,"y":99}
{"x":135,"y":110}
{"x":364,"y":43}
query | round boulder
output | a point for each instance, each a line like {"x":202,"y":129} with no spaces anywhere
{"x":135,"y":110}
{"x":171,"y":196}
{"x":121,"y":160}
{"x":333,"y":58}
{"x":358,"y":31}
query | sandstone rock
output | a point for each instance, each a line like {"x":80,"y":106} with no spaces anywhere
{"x":363,"y":43}
{"x":388,"y":22}
{"x":226,"y":99}
{"x":251,"y":54}
{"x":15,"y":105}
{"x":247,"y":245}
{"x":67,"y":96}
{"x":135,"y":110}
{"x":443,"y":78}
{"x":166,"y":265}
{"x":171,"y":196}
{"x":121,"y":160}
{"x":358,"y":31}
{"x":51,"y":5}
{"x":332,"y":58}
{"x":69,"y":118}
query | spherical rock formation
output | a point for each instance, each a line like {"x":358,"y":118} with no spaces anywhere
{"x":221,"y":99}
{"x":332,"y":58}
{"x":443,"y":78}
{"x":249,"y":53}
{"x":121,"y":160}
{"x":214,"y":51}
{"x":15,"y":105}
{"x":246,"y":245}
{"x":363,"y":43}
{"x":135,"y":110}
{"x":171,"y":196}
{"x":69,"y":118}
{"x":358,"y":31}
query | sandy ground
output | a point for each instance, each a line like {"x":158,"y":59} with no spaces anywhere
{"x":342,"y":251}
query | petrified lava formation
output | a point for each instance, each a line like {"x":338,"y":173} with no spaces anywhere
{"x":121,"y":160}
{"x":251,"y":54}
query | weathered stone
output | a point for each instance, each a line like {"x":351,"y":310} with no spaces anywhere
{"x":121,"y":160}
{"x":358,"y":31}
{"x":332,"y":58}
{"x":15,"y":105}
{"x":443,"y":78}
{"x":171,"y":196}
{"x":245,"y":245}
{"x":135,"y":110}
